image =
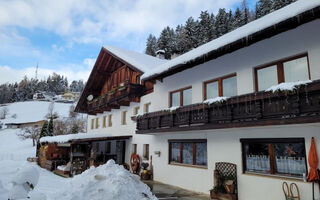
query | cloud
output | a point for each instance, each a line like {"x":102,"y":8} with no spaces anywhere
{"x":72,"y":72}
{"x":89,"y":21}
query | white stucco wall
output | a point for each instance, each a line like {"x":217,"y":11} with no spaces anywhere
{"x":224,"y":145}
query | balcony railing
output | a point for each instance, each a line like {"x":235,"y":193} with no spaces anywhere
{"x":120,"y":96}
{"x":255,"y":109}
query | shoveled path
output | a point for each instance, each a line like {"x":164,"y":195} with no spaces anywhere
{"x":168,"y":192}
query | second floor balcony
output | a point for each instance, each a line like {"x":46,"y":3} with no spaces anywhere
{"x":301,"y":105}
{"x":120,"y":96}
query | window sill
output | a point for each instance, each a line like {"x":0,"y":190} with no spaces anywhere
{"x":274,"y":176}
{"x":187,"y":165}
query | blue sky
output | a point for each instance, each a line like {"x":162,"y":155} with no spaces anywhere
{"x":66,"y":36}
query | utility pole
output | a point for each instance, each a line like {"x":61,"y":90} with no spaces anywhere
{"x":37,"y":71}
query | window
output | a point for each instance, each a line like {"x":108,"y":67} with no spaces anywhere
{"x":147,"y":107}
{"x":181,"y":97}
{"x":136,"y":110}
{"x":108,"y":147}
{"x":189,"y":152}
{"x":134,"y":149}
{"x":286,"y":70}
{"x":224,"y":86}
{"x":146,"y":151}
{"x":284,"y":157}
{"x":104,"y":123}
{"x":92,"y":123}
{"x":97,"y":122}
{"x":109,"y":120}
{"x":124,"y":118}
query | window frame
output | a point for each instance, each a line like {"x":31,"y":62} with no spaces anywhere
{"x":110,"y":120}
{"x":182,"y":141}
{"x":92,"y":123}
{"x":124,"y":117}
{"x":136,"y":110}
{"x":270,"y":142}
{"x":181,"y":95}
{"x":104,"y":121}
{"x":134,"y":149}
{"x":146,"y":152}
{"x":280,"y":68}
{"x":220,"y":84}
{"x":146,"y":107}
{"x":97,"y":123}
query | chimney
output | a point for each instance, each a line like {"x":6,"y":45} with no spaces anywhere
{"x":160,"y":54}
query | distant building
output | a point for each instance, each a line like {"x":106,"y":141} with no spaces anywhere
{"x":35,"y":124}
{"x":44,"y":96}
{"x":70,"y":96}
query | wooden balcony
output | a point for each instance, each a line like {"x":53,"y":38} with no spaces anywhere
{"x":254,"y":109}
{"x":121,"y":96}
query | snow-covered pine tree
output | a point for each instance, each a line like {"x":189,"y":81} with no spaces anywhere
{"x":221,"y":22}
{"x":245,"y":13}
{"x":263,"y":7}
{"x":230,"y":21}
{"x":237,"y":19}
{"x":151,"y":46}
{"x":206,"y":28}
{"x":192,"y":34}
{"x":44,"y":130}
{"x":50,"y":127}
{"x":166,"y":42}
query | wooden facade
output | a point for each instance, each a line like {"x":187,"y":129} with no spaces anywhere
{"x":112,"y":83}
{"x":254,"y":109}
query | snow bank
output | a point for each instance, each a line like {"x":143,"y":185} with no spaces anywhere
{"x":70,"y":137}
{"x":215,"y":100}
{"x":250,"y":28}
{"x":34,"y":111}
{"x":290,"y":86}
{"x":107,"y":182}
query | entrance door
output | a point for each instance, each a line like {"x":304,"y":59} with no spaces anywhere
{"x":120,"y":151}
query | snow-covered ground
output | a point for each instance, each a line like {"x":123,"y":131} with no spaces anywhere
{"x":106,"y":182}
{"x":33,"y":111}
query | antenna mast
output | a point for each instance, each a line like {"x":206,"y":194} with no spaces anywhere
{"x":37,"y":72}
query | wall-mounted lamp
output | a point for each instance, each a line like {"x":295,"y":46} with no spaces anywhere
{"x":157,"y":153}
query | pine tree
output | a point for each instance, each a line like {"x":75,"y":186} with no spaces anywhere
{"x":151,"y":46}
{"x":50,"y":127}
{"x":263,"y":7}
{"x":206,"y":28}
{"x":221,"y":23}
{"x":230,"y":21}
{"x":44,"y":130}
{"x":192,"y":38}
{"x":237,"y":19}
{"x":245,"y":14}
{"x":166,"y":42}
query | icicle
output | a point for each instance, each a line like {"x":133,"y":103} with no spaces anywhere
{"x":306,"y":90}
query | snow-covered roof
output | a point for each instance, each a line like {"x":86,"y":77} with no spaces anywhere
{"x":71,"y":137}
{"x":257,"y":25}
{"x":141,"y":61}
{"x":33,"y":111}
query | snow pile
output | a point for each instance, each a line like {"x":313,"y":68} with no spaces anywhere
{"x":23,"y":182}
{"x":215,"y":100}
{"x":3,"y":192}
{"x":248,"y":29}
{"x":173,"y":108}
{"x":290,"y":86}
{"x":70,"y":137}
{"x":107,"y":182}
